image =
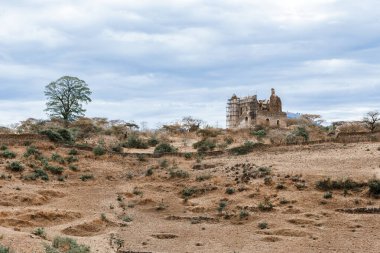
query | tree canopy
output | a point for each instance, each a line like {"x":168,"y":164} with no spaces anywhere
{"x":66,"y":97}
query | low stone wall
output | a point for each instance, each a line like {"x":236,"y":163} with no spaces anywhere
{"x":357,"y":137}
{"x":17,"y":139}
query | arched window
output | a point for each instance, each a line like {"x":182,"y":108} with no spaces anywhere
{"x":267,"y":122}
{"x":278,"y":123}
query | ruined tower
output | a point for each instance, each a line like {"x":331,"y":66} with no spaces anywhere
{"x":249,"y":111}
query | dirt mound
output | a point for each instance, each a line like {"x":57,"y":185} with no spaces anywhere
{"x":22,"y":199}
{"x":95,"y":227}
{"x":33,"y":218}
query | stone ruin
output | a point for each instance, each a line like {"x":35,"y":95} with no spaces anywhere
{"x":249,"y":111}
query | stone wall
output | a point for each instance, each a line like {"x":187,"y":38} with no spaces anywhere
{"x":13,"y":139}
{"x":357,"y":137}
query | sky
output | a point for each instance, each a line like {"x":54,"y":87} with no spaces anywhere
{"x":157,"y":61}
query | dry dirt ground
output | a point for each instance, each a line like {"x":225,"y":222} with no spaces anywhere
{"x":170,"y":212}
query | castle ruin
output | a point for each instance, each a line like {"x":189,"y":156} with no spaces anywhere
{"x":249,"y":111}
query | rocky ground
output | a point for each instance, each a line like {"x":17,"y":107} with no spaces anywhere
{"x":266,"y":201}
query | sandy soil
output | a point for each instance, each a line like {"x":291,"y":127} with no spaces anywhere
{"x":151,"y":214}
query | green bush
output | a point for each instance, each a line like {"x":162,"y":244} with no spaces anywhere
{"x":328,"y":195}
{"x":188,"y":156}
{"x":38,"y":173}
{"x":39,"y":232}
{"x":260,"y":133}
{"x":347,"y":184}
{"x":57,"y":158}
{"x":178,"y":174}
{"x":118,"y":148}
{"x":149,"y":172}
{"x":263,"y":225}
{"x":99,"y":150}
{"x":265,"y":206}
{"x":3,"y":147}
{"x":243,"y":214}
{"x":59,"y":135}
{"x":72,"y":159}
{"x":247,"y":148}
{"x":164,"y":148}
{"x":201,"y":178}
{"x":52,"y":135}
{"x":374,"y":186}
{"x":55,"y":170}
{"x":87,"y":177}
{"x":66,"y":245}
{"x":66,"y":135}
{"x":205,"y":145}
{"x":222,"y":206}
{"x":302,"y":132}
{"x":188,"y":192}
{"x":8,"y":154}
{"x":153,"y":141}
{"x":73,"y":152}
{"x":134,"y":141}
{"x":32,"y":150}
{"x":4,"y":249}
{"x":230,"y":191}
{"x":15,"y":166}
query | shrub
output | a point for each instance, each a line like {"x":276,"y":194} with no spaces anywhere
{"x":260,"y":133}
{"x":188,"y":192}
{"x":134,"y":141}
{"x":222,"y":206}
{"x":188,"y":156}
{"x":164,"y":163}
{"x":149,"y":172}
{"x":327,"y":195}
{"x":72,"y":159}
{"x":55,"y":170}
{"x":39,"y":232}
{"x":57,"y":158}
{"x":229,"y":140}
{"x":86,"y":177}
{"x":152,"y":142}
{"x":230,"y":191}
{"x":164,"y":148}
{"x":8,"y":154}
{"x":247,"y":148}
{"x":205,"y":145}
{"x":263,"y":225}
{"x":178,"y":174}
{"x":374,"y":186}
{"x":38,"y":173}
{"x":67,"y":245}
{"x":32,"y":150}
{"x":16,"y":166}
{"x":243,"y":214}
{"x":347,"y":184}
{"x":52,"y":135}
{"x":203,"y":177}
{"x":302,"y":132}
{"x":66,"y":135}
{"x":4,"y":249}
{"x":118,"y":148}
{"x":99,"y":150}
{"x":127,"y":218}
{"x":3,"y":147}
{"x":265,"y":206}
{"x":73,"y":152}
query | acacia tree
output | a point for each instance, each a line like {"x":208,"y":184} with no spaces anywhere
{"x":371,"y":120}
{"x":65,"y":98}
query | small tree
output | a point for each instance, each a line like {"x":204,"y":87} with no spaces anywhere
{"x":191,"y":124}
{"x":371,"y":120}
{"x":65,"y":97}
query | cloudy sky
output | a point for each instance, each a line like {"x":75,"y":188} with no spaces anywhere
{"x":156,"y":61}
